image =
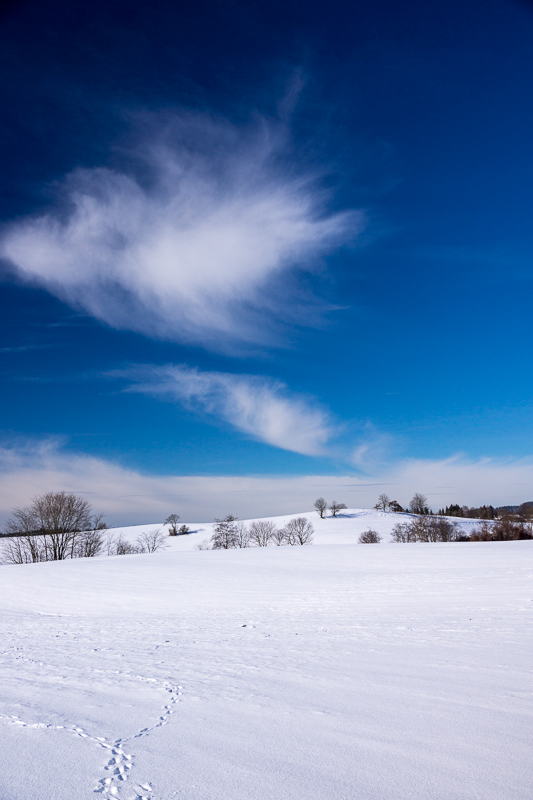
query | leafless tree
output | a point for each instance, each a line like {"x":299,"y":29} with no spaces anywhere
{"x":53,"y":526}
{"x":242,"y":535}
{"x":224,"y":533}
{"x":279,"y":537}
{"x":151,"y":541}
{"x":445,"y":530}
{"x":335,"y":507}
{"x":426,"y":528}
{"x":299,"y":531}
{"x":91,"y":544}
{"x":321,"y":507}
{"x":383,"y":503}
{"x":172,"y":522}
{"x":261,"y":532}
{"x":370,"y":537}
{"x":203,"y":545}
{"x":402,"y":532}
{"x":483,"y":531}
{"x":121,"y":547}
{"x":418,"y":504}
{"x":22,"y":550}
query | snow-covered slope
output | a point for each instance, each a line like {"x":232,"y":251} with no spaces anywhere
{"x":295,"y":673}
{"x":343,"y":529}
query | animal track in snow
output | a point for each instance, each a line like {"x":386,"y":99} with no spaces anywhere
{"x":121,"y":763}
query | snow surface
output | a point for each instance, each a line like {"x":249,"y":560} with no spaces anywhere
{"x":337,"y":670}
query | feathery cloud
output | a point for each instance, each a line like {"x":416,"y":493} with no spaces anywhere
{"x":258,"y":406}
{"x":192,"y":243}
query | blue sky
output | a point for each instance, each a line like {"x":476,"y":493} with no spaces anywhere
{"x":266,"y":241}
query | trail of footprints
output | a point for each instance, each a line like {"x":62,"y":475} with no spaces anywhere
{"x":121,"y":763}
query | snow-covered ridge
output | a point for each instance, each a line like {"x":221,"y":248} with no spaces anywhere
{"x":345,"y":528}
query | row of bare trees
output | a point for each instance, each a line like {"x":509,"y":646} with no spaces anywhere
{"x":54,"y":527}
{"x":427,"y":528}
{"x":229,"y":533}
{"x":60,"y":525}
{"x":322,"y":506}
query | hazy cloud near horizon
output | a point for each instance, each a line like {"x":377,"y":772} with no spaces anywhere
{"x":194,"y":243}
{"x":130,"y":497}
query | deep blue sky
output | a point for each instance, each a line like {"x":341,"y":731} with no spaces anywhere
{"x":417,"y":340}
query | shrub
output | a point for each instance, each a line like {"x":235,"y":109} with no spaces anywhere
{"x":370,"y":537}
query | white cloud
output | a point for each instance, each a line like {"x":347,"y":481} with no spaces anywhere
{"x":129,"y":497}
{"x":190,"y":249}
{"x":256,"y":405}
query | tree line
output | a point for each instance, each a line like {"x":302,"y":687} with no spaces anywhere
{"x":60,"y":525}
{"x":229,"y":533}
{"x":504,"y":523}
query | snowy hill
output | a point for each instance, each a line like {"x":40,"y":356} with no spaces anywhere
{"x":345,"y":528}
{"x":296,"y":673}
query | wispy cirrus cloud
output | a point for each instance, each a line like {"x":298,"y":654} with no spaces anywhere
{"x":191,"y":243}
{"x":258,"y":406}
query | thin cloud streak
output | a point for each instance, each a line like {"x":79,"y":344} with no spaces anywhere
{"x":196,"y":243}
{"x":129,"y":497}
{"x":258,"y":406}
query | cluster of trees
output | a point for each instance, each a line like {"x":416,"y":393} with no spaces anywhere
{"x":434,"y":528}
{"x":322,"y":506}
{"x":173,"y":530}
{"x":427,"y":528}
{"x":60,"y":525}
{"x":229,"y":533}
{"x":418,"y":505}
{"x":504,"y":529}
{"x":472,"y":512}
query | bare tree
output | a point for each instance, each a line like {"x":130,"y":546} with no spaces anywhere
{"x":121,"y":547}
{"x":151,"y":541}
{"x":402,"y":532}
{"x":53,"y":526}
{"x":370,"y":537}
{"x":299,"y":531}
{"x":335,"y":507}
{"x":383,"y":503}
{"x":203,"y":545}
{"x":418,"y":504}
{"x":483,"y":531}
{"x":279,"y":537}
{"x":91,"y":544}
{"x":22,"y":550}
{"x":224,"y":533}
{"x":172,"y":520}
{"x":261,"y":532}
{"x":426,"y":528}
{"x":321,"y":507}
{"x":242,"y":535}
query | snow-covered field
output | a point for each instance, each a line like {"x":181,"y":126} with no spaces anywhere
{"x":335,"y":671}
